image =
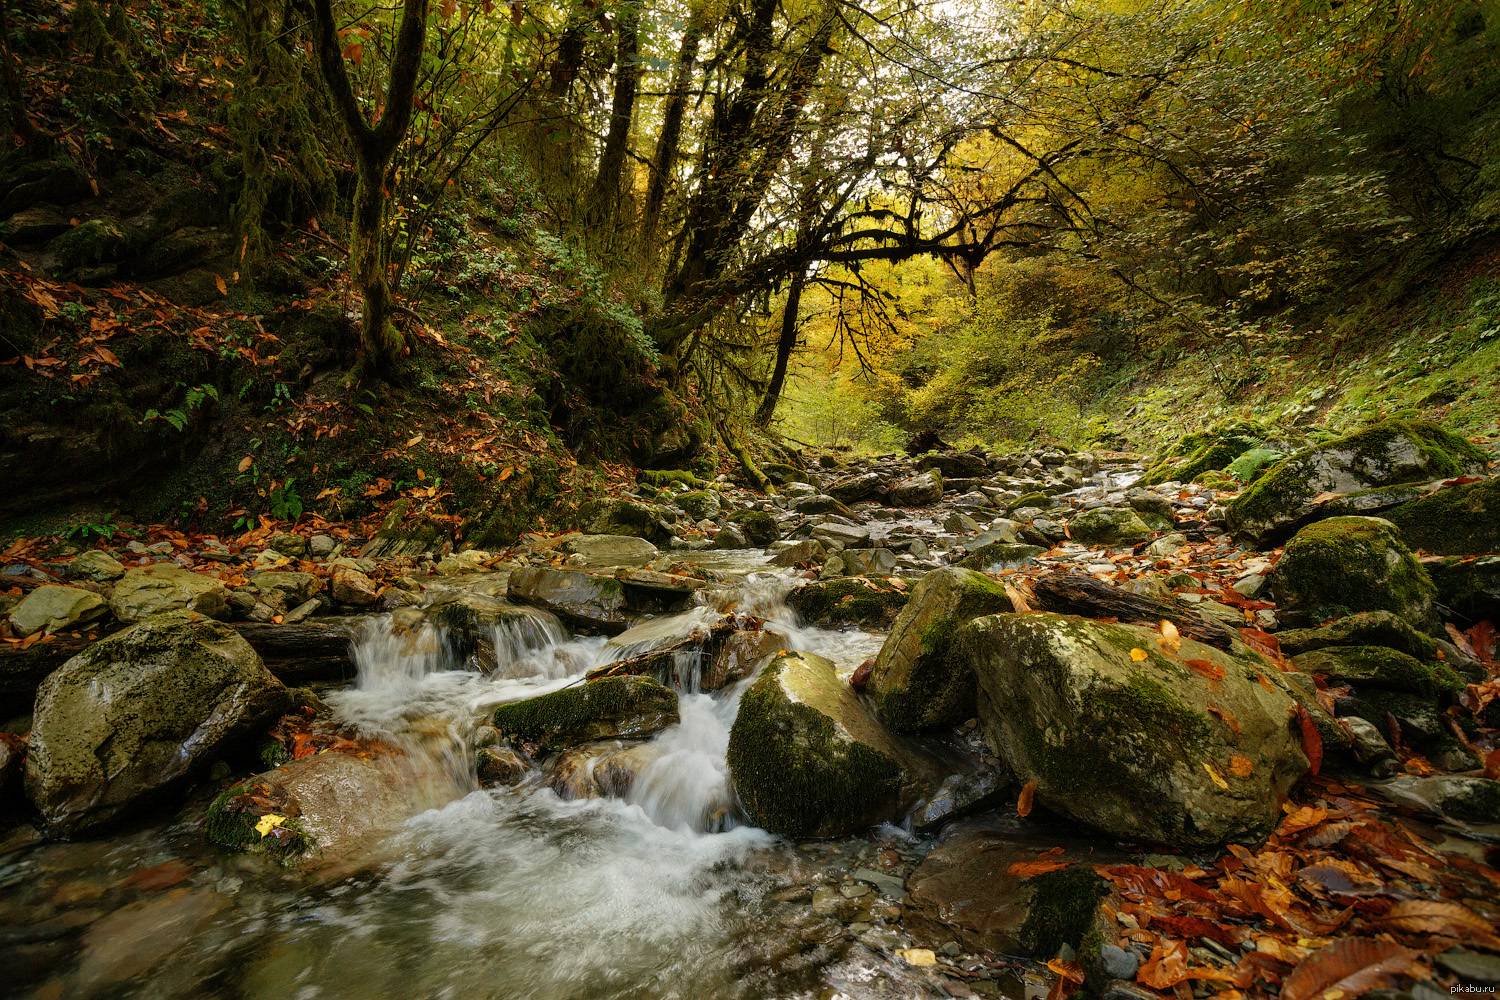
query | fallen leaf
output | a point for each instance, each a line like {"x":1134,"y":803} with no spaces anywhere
{"x":1312,"y":742}
{"x":1207,"y":668}
{"x":1302,"y":818}
{"x":269,"y":822}
{"x":1424,"y":916}
{"x":1023,"y":804}
{"x":1170,"y":638}
{"x":1229,"y":719}
{"x":1067,"y":969}
{"x":1138,"y":654}
{"x":415,"y":440}
{"x":1241,"y":767}
{"x":919,"y":957}
{"x":1027,"y":869}
{"x":219,"y":284}
{"x":1350,"y":967}
{"x":245,"y":463}
{"x":1218,"y":778}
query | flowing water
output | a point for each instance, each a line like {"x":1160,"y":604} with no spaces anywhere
{"x":477,"y":893}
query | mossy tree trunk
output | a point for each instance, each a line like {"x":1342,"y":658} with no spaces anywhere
{"x":374,"y":146}
{"x":784,"y":345}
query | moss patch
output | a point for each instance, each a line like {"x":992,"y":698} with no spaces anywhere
{"x":1349,"y":564}
{"x":602,"y":709}
{"x":846,"y":601}
{"x":1459,"y":520}
{"x":1062,"y":907}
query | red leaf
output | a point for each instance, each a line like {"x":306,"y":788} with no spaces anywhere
{"x":1353,"y":966}
{"x":1312,"y":743}
{"x":1207,"y":668}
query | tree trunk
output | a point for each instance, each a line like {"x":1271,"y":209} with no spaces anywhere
{"x":671,"y":134}
{"x":380,"y":344}
{"x":610,"y":178}
{"x":784,"y":346}
{"x":1075,"y":594}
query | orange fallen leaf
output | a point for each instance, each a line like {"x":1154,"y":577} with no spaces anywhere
{"x":1170,"y":638}
{"x":1027,"y":869}
{"x":1229,"y":719}
{"x":1023,"y":804}
{"x":1351,"y":967}
{"x":1138,"y":654}
{"x":245,"y":463}
{"x":1312,"y":742}
{"x":1241,"y":767}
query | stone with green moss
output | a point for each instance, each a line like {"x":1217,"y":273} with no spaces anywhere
{"x":588,"y":601}
{"x":621,"y":517}
{"x":1457,"y":520}
{"x":1119,"y":735}
{"x":1397,"y":451}
{"x":780,"y":473}
{"x":918,"y":491}
{"x":850,"y":600}
{"x":807,"y":759}
{"x":758,"y":526}
{"x":1033,"y":499}
{"x":660,"y":478}
{"x":698,"y":504}
{"x":88,"y":244}
{"x":1211,"y":456}
{"x":1377,"y":666}
{"x":139,"y":712}
{"x":915,"y":684}
{"x":1109,"y":526}
{"x":1368,"y":628}
{"x":1468,"y":587}
{"x":608,"y":708}
{"x":997,"y":556}
{"x":1345,"y":565}
{"x":1062,"y":906}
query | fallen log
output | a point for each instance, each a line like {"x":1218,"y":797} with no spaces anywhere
{"x":1074,"y":594}
{"x":306,"y":651}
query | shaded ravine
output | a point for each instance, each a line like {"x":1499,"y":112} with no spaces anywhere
{"x":490,"y":892}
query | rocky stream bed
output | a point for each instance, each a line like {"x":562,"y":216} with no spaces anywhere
{"x":959,"y":725}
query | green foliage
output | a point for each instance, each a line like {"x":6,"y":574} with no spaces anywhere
{"x":90,"y":531}
{"x":179,"y":417}
{"x":285,"y":502}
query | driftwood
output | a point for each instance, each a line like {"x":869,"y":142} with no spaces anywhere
{"x":310,"y":650}
{"x":1073,"y":594}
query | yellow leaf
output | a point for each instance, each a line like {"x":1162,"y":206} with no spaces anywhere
{"x":269,"y":822}
{"x":219,"y":284}
{"x":1218,"y":778}
{"x":415,"y":440}
{"x":245,"y":463}
{"x":1138,"y":654}
{"x":1170,"y":637}
{"x":920,"y":957}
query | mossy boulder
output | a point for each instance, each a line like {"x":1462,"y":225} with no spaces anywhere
{"x":88,"y":244}
{"x":1368,"y":628}
{"x":1109,"y":526}
{"x":609,"y":708}
{"x":698,"y":504}
{"x":996,"y":556}
{"x":1378,"y":666}
{"x":622,"y":517}
{"x":1457,"y":520}
{"x":850,"y":600}
{"x":757,"y":525}
{"x":165,"y":587}
{"x":780,"y":473}
{"x":915,"y":684}
{"x":1137,"y":747}
{"x":1468,"y":587}
{"x":1157,"y":511}
{"x":807,"y":759}
{"x":852,"y":489}
{"x":141,"y":711}
{"x":1209,"y":456}
{"x":1397,"y":451}
{"x":1346,"y":565}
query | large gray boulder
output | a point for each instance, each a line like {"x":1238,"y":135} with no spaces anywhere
{"x":915,"y":683}
{"x":808,"y":759}
{"x":918,"y":491}
{"x":609,"y":550}
{"x":1346,"y":565}
{"x":95,"y":565}
{"x":621,"y":517}
{"x":139,"y":711}
{"x":165,"y":587}
{"x":326,"y":806}
{"x":54,"y":609}
{"x":1397,"y":451}
{"x":584,"y":600}
{"x":1120,"y":733}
